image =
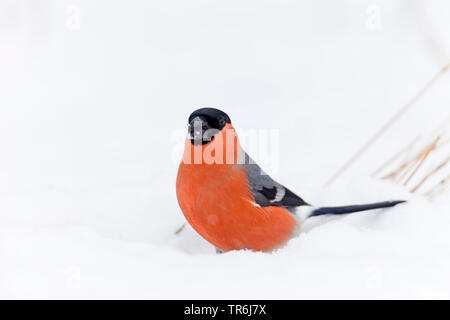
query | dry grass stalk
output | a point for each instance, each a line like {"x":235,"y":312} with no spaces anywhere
{"x":389,"y":123}
{"x":439,"y":188}
{"x":393,"y":174}
{"x":400,"y":173}
{"x":412,"y":165}
{"x":431,"y":173}
{"x":396,"y":156}
{"x":180,"y":228}
{"x":430,"y":148}
{"x":407,"y":170}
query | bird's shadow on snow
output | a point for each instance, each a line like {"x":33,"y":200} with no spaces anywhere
{"x":367,"y":220}
{"x":189,"y":242}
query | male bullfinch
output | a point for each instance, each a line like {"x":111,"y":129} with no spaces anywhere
{"x":229,"y":200}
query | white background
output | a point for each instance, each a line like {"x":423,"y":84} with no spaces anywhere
{"x":94,"y":93}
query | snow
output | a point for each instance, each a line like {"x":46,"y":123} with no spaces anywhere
{"x":91,"y":124}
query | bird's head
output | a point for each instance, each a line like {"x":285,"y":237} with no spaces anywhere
{"x":205,"y":123}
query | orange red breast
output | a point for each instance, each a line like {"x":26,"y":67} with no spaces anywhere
{"x":216,"y":199}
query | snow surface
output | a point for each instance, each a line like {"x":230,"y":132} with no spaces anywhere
{"x":91,"y":117}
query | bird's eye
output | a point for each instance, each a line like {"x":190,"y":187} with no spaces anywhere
{"x":222,"y":122}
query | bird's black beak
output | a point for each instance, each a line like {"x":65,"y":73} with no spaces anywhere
{"x":196,"y":130}
{"x":200,"y":132}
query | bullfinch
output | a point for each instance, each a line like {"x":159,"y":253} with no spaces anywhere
{"x":229,"y":200}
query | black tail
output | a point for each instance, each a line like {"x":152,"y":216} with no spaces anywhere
{"x":355,"y":208}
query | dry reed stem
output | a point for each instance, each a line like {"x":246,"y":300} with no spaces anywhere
{"x":440,"y":187}
{"x":389,"y":123}
{"x":180,"y":228}
{"x":396,"y":156}
{"x":423,"y":158}
{"x":431,"y":173}
{"x":408,"y":165}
